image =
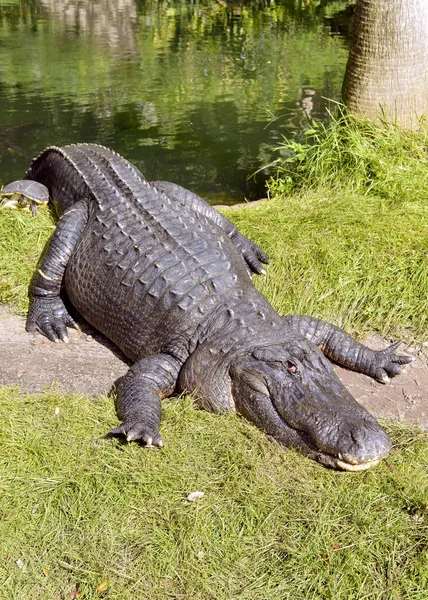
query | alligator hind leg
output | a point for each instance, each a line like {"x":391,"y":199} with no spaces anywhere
{"x":339,"y":346}
{"x":251,"y":253}
{"x":47,"y":313}
{"x":139,"y":395}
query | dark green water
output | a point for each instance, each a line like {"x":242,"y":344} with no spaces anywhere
{"x":192,"y":92}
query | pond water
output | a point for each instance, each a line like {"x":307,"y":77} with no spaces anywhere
{"x":195,"y":92}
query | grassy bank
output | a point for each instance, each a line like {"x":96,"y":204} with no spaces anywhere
{"x":353,"y":260}
{"x":80,"y":511}
{"x":22,"y":240}
{"x":85,"y":517}
{"x":359,"y":156}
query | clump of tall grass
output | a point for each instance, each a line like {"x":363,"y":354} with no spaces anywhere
{"x":365,"y":157}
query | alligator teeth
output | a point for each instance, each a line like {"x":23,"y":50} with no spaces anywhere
{"x":355,"y":468}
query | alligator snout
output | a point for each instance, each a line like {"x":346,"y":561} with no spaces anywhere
{"x":335,"y":422}
{"x":367,"y":445}
{"x":309,"y":408}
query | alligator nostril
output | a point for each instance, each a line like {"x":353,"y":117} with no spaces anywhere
{"x":368,"y":444}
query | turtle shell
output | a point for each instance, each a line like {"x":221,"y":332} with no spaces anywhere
{"x":32,"y":190}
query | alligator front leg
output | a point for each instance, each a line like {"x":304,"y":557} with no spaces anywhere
{"x":339,"y":346}
{"x":139,"y":395}
{"x":47,"y":313}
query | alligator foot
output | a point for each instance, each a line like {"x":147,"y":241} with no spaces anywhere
{"x":387,"y":364}
{"x":135,"y":431}
{"x":252,"y":254}
{"x":49,"y":317}
{"x":139,"y":394}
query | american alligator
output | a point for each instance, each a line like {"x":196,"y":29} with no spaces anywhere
{"x":166,"y":278}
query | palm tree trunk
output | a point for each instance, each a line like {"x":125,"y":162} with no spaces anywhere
{"x":387,"y":71}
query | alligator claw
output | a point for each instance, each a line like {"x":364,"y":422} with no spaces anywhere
{"x":392,"y":347}
{"x":390,"y":364}
{"x":116,"y":432}
{"x":131,"y":436}
{"x":49,"y":317}
{"x":251,"y":253}
{"x":137,"y":432}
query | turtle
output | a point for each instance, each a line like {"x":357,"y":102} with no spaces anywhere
{"x":21,"y":193}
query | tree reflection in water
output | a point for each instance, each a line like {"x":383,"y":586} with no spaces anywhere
{"x":193,"y":92}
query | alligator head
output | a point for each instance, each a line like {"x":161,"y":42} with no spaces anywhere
{"x":293,"y":394}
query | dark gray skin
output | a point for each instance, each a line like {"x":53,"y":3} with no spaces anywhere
{"x":166,"y":278}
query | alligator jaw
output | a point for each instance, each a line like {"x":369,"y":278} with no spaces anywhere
{"x":354,"y":468}
{"x":339,"y":462}
{"x":345,"y":463}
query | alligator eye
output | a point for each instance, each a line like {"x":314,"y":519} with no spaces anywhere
{"x":291,"y":367}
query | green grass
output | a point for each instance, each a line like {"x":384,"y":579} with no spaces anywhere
{"x":354,"y":260}
{"x":348,"y":228}
{"x":356,"y":154}
{"x":22,"y":240}
{"x":78,"y":509}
